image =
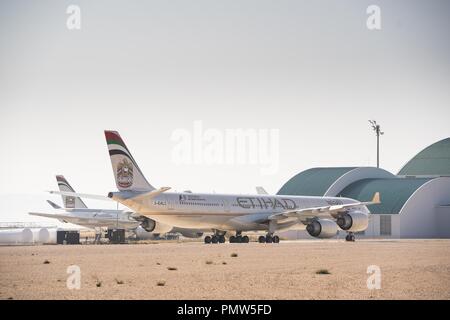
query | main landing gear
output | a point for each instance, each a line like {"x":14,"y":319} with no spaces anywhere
{"x":269,"y":238}
{"x":350,"y":237}
{"x":219,"y":237}
{"x":239,"y":238}
{"x":215,"y":239}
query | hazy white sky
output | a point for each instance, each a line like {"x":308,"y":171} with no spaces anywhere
{"x":146,"y":68}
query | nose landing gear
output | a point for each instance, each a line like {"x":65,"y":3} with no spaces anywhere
{"x":350,"y":237}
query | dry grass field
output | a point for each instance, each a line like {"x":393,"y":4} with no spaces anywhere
{"x":410,"y":269}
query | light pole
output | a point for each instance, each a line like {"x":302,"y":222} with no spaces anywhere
{"x":376,"y":127}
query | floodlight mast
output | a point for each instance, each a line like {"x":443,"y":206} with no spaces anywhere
{"x":376,"y":127}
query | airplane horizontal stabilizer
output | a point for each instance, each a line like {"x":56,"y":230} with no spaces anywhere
{"x":153,"y":193}
{"x":81,"y":195}
{"x":54,"y":205}
{"x":49,"y":215}
{"x":145,"y":195}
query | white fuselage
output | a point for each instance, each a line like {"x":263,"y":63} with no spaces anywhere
{"x":226,"y":212}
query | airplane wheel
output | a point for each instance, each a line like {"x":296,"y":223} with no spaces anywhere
{"x":262,"y":239}
{"x":269,"y":239}
{"x":238,"y":239}
{"x":276,"y":239}
{"x":350,"y":237}
{"x":214,"y":239}
{"x":207,"y":239}
{"x":221,"y":239}
{"x":232,"y":239}
{"x":245,"y":239}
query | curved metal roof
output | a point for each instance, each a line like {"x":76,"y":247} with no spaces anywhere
{"x":313,"y":182}
{"x":431,"y":161}
{"x":394,"y":192}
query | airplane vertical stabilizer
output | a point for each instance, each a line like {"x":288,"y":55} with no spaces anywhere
{"x":126,"y":171}
{"x":68,"y":201}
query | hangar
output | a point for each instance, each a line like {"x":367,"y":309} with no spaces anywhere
{"x":415,"y":203}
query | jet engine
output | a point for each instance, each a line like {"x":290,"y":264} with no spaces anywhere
{"x":190,"y":234}
{"x":353,"y":221}
{"x":322,"y":228}
{"x":155,"y":227}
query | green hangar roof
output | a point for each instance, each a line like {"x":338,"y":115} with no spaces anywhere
{"x":394,"y":192}
{"x":432,"y":161}
{"x":313,"y":182}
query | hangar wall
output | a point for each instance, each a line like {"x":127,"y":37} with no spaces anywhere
{"x":419,"y":217}
{"x":373,"y":230}
{"x":443,"y":221}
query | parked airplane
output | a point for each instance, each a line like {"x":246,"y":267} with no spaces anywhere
{"x":227,"y":213}
{"x":75,"y":211}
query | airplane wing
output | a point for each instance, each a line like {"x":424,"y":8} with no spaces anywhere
{"x":81,"y":195}
{"x":326,"y":211}
{"x":60,"y":217}
{"x":261,"y":190}
{"x":115,"y":195}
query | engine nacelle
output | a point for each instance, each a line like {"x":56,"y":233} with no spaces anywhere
{"x":322,"y":228}
{"x":353,"y":221}
{"x":141,"y":234}
{"x":190,"y":234}
{"x":153,"y":226}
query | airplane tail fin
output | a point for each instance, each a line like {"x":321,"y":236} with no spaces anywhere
{"x":69,"y":202}
{"x":126,"y":171}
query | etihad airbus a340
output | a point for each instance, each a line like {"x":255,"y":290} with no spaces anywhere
{"x":232,"y":214}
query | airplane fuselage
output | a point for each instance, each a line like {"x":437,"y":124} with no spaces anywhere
{"x":226,"y":212}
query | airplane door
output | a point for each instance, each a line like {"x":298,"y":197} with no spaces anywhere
{"x":226,"y":205}
{"x":169,"y":203}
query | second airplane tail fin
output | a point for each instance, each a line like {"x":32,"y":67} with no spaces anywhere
{"x":126,"y":171}
{"x":68,"y":201}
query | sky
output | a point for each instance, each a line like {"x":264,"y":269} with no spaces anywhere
{"x":311,"y":70}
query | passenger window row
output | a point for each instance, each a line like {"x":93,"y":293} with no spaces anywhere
{"x":201,"y":204}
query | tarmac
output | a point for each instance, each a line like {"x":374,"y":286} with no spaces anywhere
{"x":303,"y":269}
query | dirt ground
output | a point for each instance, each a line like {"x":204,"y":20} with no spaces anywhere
{"x":410,"y":269}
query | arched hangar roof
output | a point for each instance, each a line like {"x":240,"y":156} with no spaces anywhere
{"x":329,"y":181}
{"x":394,"y":192}
{"x":431,"y":161}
